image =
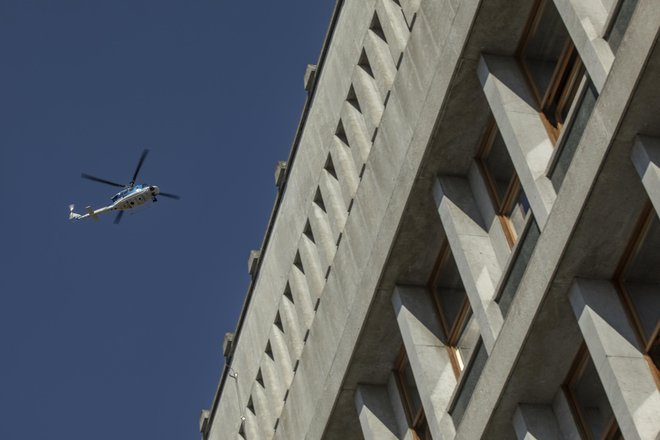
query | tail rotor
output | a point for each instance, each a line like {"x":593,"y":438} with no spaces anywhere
{"x":73,"y":215}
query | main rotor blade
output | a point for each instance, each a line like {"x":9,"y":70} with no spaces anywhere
{"x":98,"y":179}
{"x":171,"y":196}
{"x":139,"y":165}
{"x":118,"y":218}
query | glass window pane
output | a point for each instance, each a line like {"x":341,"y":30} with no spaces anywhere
{"x":467,"y":342}
{"x":450,"y":293}
{"x":642,"y":280}
{"x":518,"y":214}
{"x":500,"y":167}
{"x":411,"y":390}
{"x":544,"y":47}
{"x":572,"y":138}
{"x":519,"y":265}
{"x":592,"y":401}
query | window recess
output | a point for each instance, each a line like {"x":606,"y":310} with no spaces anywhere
{"x":517,"y":264}
{"x":412,"y":403}
{"x":508,"y":198}
{"x":591,"y":408}
{"x":551,"y":65}
{"x":468,"y":383}
{"x":569,"y":140}
{"x":460,"y":330}
{"x":638,"y":283}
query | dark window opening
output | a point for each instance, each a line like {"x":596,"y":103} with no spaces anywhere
{"x":509,"y":199}
{"x":589,"y":403}
{"x":551,"y":64}
{"x":638,"y":282}
{"x":412,"y":403}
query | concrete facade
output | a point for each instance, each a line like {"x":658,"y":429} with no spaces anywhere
{"x":452,"y":253}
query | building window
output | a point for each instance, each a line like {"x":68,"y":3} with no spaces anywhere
{"x":585,"y":102}
{"x":520,"y":257}
{"x":510,"y":202}
{"x":638,"y":282}
{"x":591,"y":408}
{"x":460,"y":331}
{"x":551,"y":65}
{"x":412,"y":403}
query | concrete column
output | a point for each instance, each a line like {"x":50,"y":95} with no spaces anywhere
{"x":369,"y":99}
{"x":564,"y":415}
{"x":613,"y":346}
{"x":292,"y":330}
{"x":646,"y":159}
{"x":535,"y":422}
{"x":347,"y":174}
{"x":323,"y":235}
{"x":262,"y":410}
{"x":394,"y":26}
{"x":274,"y":387}
{"x":312,"y":267}
{"x":375,"y":413}
{"x":283,"y":359}
{"x":382,"y":63}
{"x":585,"y":21}
{"x":473,"y":252}
{"x":334,"y":204}
{"x":301,"y":298}
{"x":521,"y":127}
{"x":396,"y":400}
{"x":409,"y":8}
{"x":428,"y":356}
{"x":251,"y":426}
{"x":356,"y":132}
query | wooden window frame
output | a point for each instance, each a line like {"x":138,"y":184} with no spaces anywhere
{"x":573,"y":376}
{"x":453,"y":332}
{"x":635,"y":243}
{"x":415,"y":421}
{"x":565,"y":79}
{"x":502,"y":207}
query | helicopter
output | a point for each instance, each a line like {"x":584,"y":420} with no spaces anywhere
{"x":131,"y":196}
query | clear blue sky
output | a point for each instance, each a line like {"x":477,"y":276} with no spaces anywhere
{"x":115,"y":331}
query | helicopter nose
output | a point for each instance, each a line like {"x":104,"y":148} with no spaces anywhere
{"x":154,"y":190}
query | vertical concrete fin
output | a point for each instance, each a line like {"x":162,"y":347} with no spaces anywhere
{"x":535,"y":422}
{"x":473,"y":252}
{"x":377,"y":420}
{"x":429,"y":359}
{"x":623,"y":370}
{"x":524,"y":134}
{"x":646,"y":159}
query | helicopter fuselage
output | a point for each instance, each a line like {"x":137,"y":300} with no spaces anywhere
{"x":133,"y":197}
{"x":128,"y":198}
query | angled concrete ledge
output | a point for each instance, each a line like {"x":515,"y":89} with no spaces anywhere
{"x":473,"y":252}
{"x":357,"y":134}
{"x":381,"y":61}
{"x":585,"y":21}
{"x":613,"y":346}
{"x":368,"y":96}
{"x":394,"y":26}
{"x":428,"y":356}
{"x":377,"y":420}
{"x":526,"y":139}
{"x":535,"y":422}
{"x":646,"y":159}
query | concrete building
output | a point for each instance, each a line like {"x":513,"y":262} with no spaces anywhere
{"x":465,"y":242}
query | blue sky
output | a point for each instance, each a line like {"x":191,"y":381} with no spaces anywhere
{"x":115,"y":331}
